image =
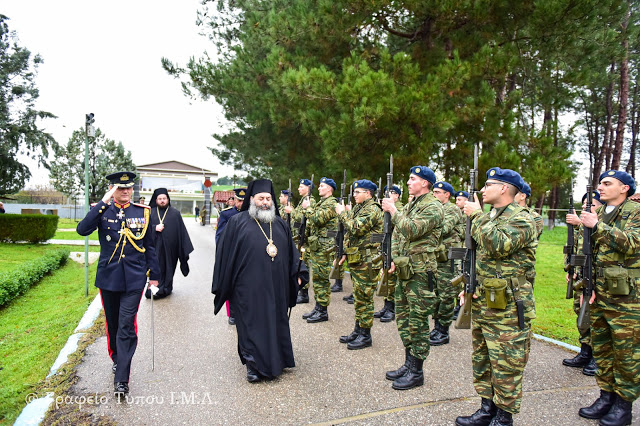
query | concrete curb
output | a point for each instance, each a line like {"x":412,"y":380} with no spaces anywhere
{"x":34,"y":412}
{"x":557,"y":342}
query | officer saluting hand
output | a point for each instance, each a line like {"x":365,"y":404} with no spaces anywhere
{"x":127,"y":257}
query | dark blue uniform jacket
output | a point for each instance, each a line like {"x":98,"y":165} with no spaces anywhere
{"x":224,"y":217}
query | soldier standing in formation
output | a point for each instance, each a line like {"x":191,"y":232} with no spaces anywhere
{"x":416,"y":235}
{"x":584,"y":359}
{"x":127,"y":257}
{"x":304,"y":189}
{"x":521,"y":199}
{"x":362,"y":257}
{"x":461,"y":198}
{"x":451,"y":225}
{"x":615,"y":312}
{"x":505,"y":306}
{"x":388,"y":311}
{"x":321,"y":219}
{"x":283,"y":200}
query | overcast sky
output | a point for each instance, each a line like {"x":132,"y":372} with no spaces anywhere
{"x":104,"y":57}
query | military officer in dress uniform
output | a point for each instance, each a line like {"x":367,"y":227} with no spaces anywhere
{"x":388,"y":311}
{"x":127,"y":257}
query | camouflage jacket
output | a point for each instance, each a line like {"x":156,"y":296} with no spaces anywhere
{"x":398,"y":204}
{"x":322,"y":218}
{"x":296,"y":217}
{"x":506,"y":241}
{"x":615,"y":244}
{"x":453,"y":219}
{"x":537,"y":219}
{"x":363,"y":220}
{"x":418,"y":229}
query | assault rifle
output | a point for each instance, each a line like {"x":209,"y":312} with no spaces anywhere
{"x":379,"y":192}
{"x":587,"y":269}
{"x":569,"y":248}
{"x":468,"y":256}
{"x":383,"y":282}
{"x":337,"y":268}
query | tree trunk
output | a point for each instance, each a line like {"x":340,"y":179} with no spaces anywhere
{"x":624,"y":95}
{"x":635,"y":127}
{"x":604,"y":156}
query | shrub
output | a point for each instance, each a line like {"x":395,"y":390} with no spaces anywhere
{"x":34,"y":228}
{"x":13,"y":284}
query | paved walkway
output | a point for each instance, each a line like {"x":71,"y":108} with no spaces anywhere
{"x":198,"y":378}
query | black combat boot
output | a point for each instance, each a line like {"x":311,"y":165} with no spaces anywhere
{"x":482,"y":417}
{"x":313,"y":311}
{"x":580,"y":360}
{"x":442,"y":338}
{"x":502,"y":418}
{"x":591,"y":368}
{"x":362,"y":341}
{"x":390,"y":313}
{"x":336,"y":287}
{"x":436,"y":329}
{"x":619,"y":415}
{"x":303,"y":296}
{"x":394,"y":374}
{"x":345,"y":298}
{"x":600,"y":407}
{"x":320,"y":315}
{"x":413,"y":377}
{"x":381,"y":312}
{"x":351,"y":337}
{"x":350,"y":300}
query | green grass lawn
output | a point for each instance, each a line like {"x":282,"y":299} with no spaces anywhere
{"x":73,"y":235}
{"x":555,"y":316}
{"x":35,"y":326}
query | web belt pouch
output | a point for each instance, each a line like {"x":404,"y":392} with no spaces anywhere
{"x":515,"y":284}
{"x":617,"y":280}
{"x":353,"y":255}
{"x":332,"y":234}
{"x":313,"y":243}
{"x":495,"y":291}
{"x":442,"y":254}
{"x":404,"y":268}
{"x":431,"y":280}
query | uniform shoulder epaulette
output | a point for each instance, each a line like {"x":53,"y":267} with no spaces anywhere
{"x":142,"y":205}
{"x":224,"y":210}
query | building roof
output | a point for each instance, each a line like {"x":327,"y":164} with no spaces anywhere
{"x":174,"y":166}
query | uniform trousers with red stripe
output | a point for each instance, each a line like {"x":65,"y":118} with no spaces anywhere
{"x":120,"y":311}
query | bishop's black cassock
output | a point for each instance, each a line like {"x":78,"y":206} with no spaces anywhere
{"x":260,"y":288}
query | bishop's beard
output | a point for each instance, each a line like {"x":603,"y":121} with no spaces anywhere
{"x":264,"y":214}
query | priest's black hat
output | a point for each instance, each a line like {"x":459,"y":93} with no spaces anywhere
{"x":256,"y":187}
{"x":154,"y":197}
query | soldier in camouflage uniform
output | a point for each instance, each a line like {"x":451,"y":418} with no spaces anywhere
{"x":461,"y":198}
{"x":416,"y":236}
{"x":321,"y":219}
{"x":615,"y":314}
{"x":521,"y":199}
{"x":584,"y":359}
{"x":453,"y":220}
{"x":285,"y":196}
{"x":503,"y":304}
{"x":362,"y":257}
{"x":388,"y":311}
{"x":304,"y":189}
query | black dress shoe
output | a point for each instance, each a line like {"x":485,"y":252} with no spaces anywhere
{"x":252,"y":375}
{"x":113,"y":368}
{"x":120,"y":388}
{"x":232,"y":321}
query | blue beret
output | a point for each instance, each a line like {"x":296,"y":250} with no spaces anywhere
{"x":462,"y":194}
{"x":365,"y":184}
{"x":394,"y":188}
{"x":286,"y":192}
{"x":329,"y":182}
{"x":306,"y":182}
{"x":240,"y":193}
{"x":506,"y":176}
{"x":424,"y":172}
{"x":596,"y":196}
{"x":445,"y":187}
{"x":623,"y":177}
{"x":122,"y":179}
{"x":526,"y":189}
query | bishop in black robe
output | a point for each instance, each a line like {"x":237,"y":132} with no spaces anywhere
{"x":172,"y":243}
{"x":261,"y":288}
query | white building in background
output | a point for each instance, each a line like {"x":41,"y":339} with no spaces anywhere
{"x":184,"y":182}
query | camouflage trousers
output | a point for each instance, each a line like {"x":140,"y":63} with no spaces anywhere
{"x":309,"y":262}
{"x":414,"y":304}
{"x":500,"y":351}
{"x":322,"y":262}
{"x":615,"y":337}
{"x":393,"y":283}
{"x":364,"y":287}
{"x":585,"y":335}
{"x":446,"y":301}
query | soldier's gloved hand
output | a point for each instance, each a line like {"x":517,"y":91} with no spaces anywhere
{"x":109,"y":194}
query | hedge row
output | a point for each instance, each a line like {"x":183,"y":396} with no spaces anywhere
{"x":34,"y":228}
{"x":13,"y":284}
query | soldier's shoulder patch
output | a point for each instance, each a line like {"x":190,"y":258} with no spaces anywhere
{"x":141,"y":205}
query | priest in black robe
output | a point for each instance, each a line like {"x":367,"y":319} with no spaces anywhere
{"x":172,"y":241}
{"x":257,"y":268}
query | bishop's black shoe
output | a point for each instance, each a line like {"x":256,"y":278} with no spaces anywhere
{"x":120,"y":389}
{"x":336,"y":287}
{"x":482,"y":417}
{"x":113,"y":368}
{"x":252,"y":375}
